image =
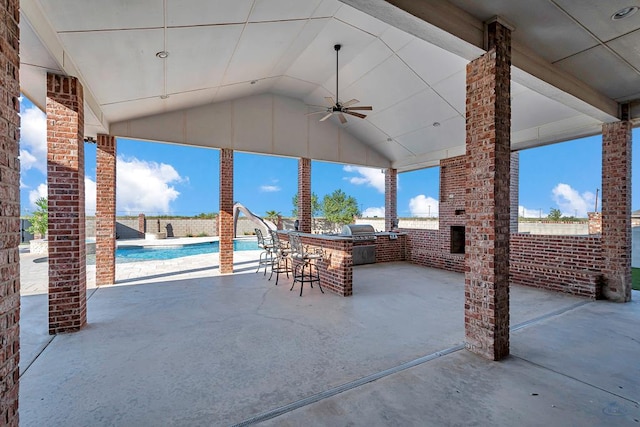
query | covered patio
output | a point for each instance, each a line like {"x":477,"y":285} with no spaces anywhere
{"x":455,"y":84}
{"x":198,"y":348}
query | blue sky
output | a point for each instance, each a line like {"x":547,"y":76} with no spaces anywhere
{"x":155,"y":178}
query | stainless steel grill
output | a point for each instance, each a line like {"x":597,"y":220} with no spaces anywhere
{"x":362,"y":253}
{"x":359,"y":232}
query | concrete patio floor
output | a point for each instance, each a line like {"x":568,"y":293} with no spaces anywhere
{"x":177,"y":344}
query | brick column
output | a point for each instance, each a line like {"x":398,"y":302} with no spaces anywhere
{"x":142,"y":225}
{"x":616,"y":210}
{"x":390,"y":198}
{"x":65,"y":179}
{"x":225,"y":218}
{"x":304,"y":195}
{"x":106,"y":211}
{"x":514,"y":191}
{"x":488,"y":120}
{"x":595,"y":222}
{"x":9,"y":214}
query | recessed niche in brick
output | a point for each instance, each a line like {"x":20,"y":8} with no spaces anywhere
{"x":457,"y":239}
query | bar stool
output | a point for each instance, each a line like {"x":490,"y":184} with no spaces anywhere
{"x":305,"y":263}
{"x":281,"y":260}
{"x":266,"y":256}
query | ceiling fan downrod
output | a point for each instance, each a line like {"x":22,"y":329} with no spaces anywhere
{"x":337,"y":49}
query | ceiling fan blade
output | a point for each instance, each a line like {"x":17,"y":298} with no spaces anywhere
{"x":342,"y":118}
{"x":330,"y":100}
{"x":362,"y":116}
{"x":316,"y":112}
{"x":351,"y":102}
{"x":363,"y":108}
{"x":326,"y":117}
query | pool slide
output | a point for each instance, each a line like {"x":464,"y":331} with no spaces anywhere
{"x":239,"y":207}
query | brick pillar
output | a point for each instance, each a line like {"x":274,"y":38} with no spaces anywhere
{"x":488,"y":120}
{"x":142,"y":225}
{"x":390,"y":198}
{"x":616,"y":210}
{"x":225,"y":218}
{"x":106,"y":211}
{"x":65,"y":179}
{"x":595,"y":222}
{"x":304,"y":195}
{"x":514,"y":191}
{"x":9,"y":214}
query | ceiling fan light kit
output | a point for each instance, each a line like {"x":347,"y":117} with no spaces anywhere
{"x":341,"y":108}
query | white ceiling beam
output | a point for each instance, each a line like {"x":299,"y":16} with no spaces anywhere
{"x":49,"y":39}
{"x":449,"y":27}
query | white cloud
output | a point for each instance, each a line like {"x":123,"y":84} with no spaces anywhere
{"x":23,"y":185}
{"x":371,"y":177}
{"x":373,"y":211}
{"x":89,"y":196}
{"x":530,"y":213}
{"x":33,"y":140}
{"x":145,"y":187}
{"x":423,"y":206}
{"x":39,"y":191}
{"x":572,"y":203}
{"x":269,"y":188}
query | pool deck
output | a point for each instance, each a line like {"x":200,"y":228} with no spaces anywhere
{"x":177,"y":343}
{"x":34,"y":274}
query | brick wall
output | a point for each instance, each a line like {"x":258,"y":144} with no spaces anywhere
{"x":106,"y":210}
{"x":304,"y":195}
{"x":514,"y":191}
{"x":568,"y":264}
{"x":427,"y":247}
{"x":488,"y":142}
{"x":390,"y":250}
{"x":225,"y":217}
{"x":616,"y":210}
{"x":390,"y":198}
{"x":65,"y":179}
{"x":9,"y":214}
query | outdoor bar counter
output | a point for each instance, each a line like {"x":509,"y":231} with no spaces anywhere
{"x":336,"y":267}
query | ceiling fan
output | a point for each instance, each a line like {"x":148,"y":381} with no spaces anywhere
{"x":341,"y":108}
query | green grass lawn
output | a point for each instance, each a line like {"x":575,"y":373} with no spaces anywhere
{"x":635,"y":278}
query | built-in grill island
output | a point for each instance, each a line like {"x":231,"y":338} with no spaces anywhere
{"x":357,"y":244}
{"x":364,"y":239}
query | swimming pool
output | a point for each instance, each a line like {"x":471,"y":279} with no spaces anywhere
{"x":163,"y":252}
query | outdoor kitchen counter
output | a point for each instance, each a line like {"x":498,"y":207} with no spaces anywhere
{"x":336,"y":268}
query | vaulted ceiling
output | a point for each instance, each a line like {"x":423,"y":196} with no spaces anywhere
{"x":572,"y":65}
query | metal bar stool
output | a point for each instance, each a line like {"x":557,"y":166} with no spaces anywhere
{"x":266,"y":256}
{"x":281,"y":260}
{"x":305,"y":264}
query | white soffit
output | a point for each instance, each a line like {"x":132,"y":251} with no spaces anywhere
{"x":411,"y":71}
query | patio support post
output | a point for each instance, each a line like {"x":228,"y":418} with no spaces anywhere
{"x":304,"y":195}
{"x":616,"y":210}
{"x":514,"y":191}
{"x":487,"y":199}
{"x":106,"y":210}
{"x":225,"y":217}
{"x":9,"y":214}
{"x":390,"y":199}
{"x":65,"y":181}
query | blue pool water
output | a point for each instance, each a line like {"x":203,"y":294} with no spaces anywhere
{"x":147,"y":253}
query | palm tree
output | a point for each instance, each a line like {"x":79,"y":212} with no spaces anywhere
{"x":272,"y":216}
